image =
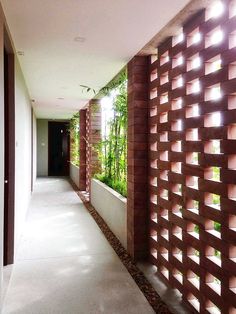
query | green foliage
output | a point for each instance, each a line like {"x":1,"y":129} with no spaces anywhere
{"x":74,"y":142}
{"x":119,"y":186}
{"x":113,"y":148}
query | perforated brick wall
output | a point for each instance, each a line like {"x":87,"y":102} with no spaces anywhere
{"x":192,"y":161}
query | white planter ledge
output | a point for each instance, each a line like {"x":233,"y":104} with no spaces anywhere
{"x":74,"y":174}
{"x":112,"y":207}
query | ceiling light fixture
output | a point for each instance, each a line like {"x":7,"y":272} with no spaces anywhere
{"x":80,"y":39}
{"x":60,"y":98}
{"x":20,"y":53}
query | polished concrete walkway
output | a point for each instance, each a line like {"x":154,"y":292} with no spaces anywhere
{"x":65,"y":264}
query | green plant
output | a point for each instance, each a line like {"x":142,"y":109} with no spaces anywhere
{"x":74,"y":139}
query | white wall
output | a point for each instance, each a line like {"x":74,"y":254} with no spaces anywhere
{"x":74,"y":174}
{"x":112,"y":207}
{"x":23,"y":152}
{"x":42,"y":148}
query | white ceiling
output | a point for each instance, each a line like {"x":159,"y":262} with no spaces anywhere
{"x":55,"y":65}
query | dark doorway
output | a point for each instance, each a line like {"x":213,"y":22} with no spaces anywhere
{"x":58,"y":149}
{"x":9,"y":143}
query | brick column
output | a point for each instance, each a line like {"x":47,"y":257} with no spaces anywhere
{"x":137,"y":201}
{"x":82,"y":148}
{"x":94,"y":135}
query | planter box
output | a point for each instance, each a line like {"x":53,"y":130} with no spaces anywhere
{"x":74,"y":174}
{"x":112,"y":207}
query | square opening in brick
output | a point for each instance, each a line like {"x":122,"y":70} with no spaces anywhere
{"x":212,"y":308}
{"x":164,"y":156}
{"x":178,"y":254}
{"x":232,"y":162}
{"x":214,"y":255}
{"x":194,"y":302}
{"x":212,"y":173}
{"x":232,"y":284}
{"x":232,"y":71}
{"x":164,"y":98}
{"x":164,"y":253}
{"x":153,"y":129}
{"x":177,"y":232}
{"x":178,"y":38}
{"x":164,"y":233}
{"x":192,"y":158}
{"x":232,"y":9}
{"x":153,"y":111}
{"x":177,"y":275}
{"x":193,"y":87}
{"x":232,"y":191}
{"x":153,"y":146}
{"x":212,"y":120}
{"x":193,"y":230}
{"x":177,"y":189}
{"x":164,"y":58}
{"x":213,"y":64}
{"x":153,"y":234}
{"x":176,"y":125}
{"x":154,"y":58}
{"x":164,"y":78}
{"x":177,"y":82}
{"x":192,"y":181}
{"x":215,"y":10}
{"x":212,"y":147}
{"x":177,"y":103}
{"x":164,"y":271}
{"x":232,"y":253}
{"x":193,"y":206}
{"x":194,"y":62}
{"x":214,"y":37}
{"x":232,"y":222}
{"x":212,"y":200}
{"x":164,"y":175}
{"x":153,"y":181}
{"x":231,"y":132}
{"x":193,"y":254}
{"x":153,"y":93}
{"x":232,"y":101}
{"x":153,"y":75}
{"x":176,"y":167}
{"x":177,"y":210}
{"x":176,"y":146}
{"x":153,"y":199}
{"x":232,"y":40}
{"x":192,"y":111}
{"x":154,"y":252}
{"x":164,"y":136}
{"x":213,"y":93}
{"x":214,"y":283}
{"x":194,"y":279}
{"x":213,"y":227}
{"x":164,"y":214}
{"x":177,"y":60}
{"x":153,"y":163}
{"x":163,"y":194}
{"x":194,"y":37}
{"x":192,"y":135}
{"x":153,"y":217}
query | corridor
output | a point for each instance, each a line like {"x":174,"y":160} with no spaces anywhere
{"x":64,"y":264}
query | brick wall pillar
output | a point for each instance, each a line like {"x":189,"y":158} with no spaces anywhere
{"x":94,"y":135}
{"x":137,"y":201}
{"x":82,"y":148}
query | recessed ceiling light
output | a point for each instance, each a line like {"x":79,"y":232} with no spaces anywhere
{"x":80,"y":39}
{"x":60,"y":98}
{"x":32,"y":100}
{"x":20,"y":53}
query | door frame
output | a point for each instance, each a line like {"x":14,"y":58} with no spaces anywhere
{"x":9,"y":155}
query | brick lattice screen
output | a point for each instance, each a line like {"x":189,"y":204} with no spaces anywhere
{"x":192,"y":161}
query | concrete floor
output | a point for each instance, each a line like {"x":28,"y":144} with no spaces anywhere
{"x":64,"y":263}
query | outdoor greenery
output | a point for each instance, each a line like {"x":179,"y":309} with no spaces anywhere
{"x":113,"y":147}
{"x":74,"y":143}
